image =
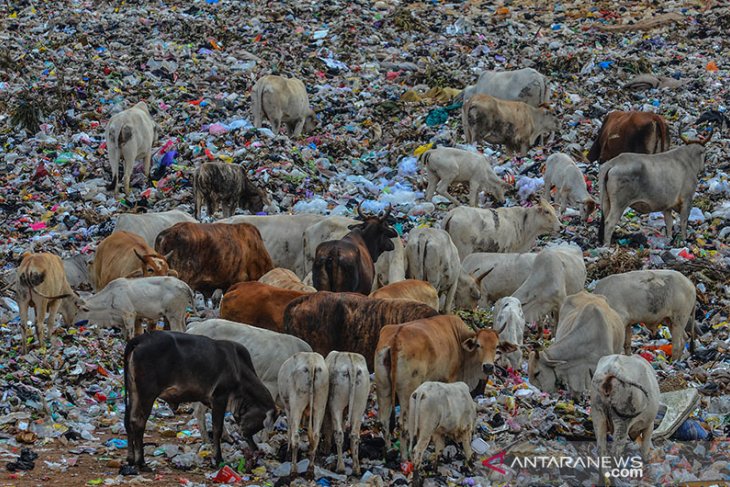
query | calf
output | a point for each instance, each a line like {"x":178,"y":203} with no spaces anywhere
{"x":501,"y":230}
{"x":624,"y":402}
{"x":285,"y":279}
{"x":257,"y":304}
{"x":650,"y":297}
{"x":178,"y":367}
{"x":637,"y":132}
{"x":349,"y":388}
{"x":226,"y":185}
{"x":409,"y":290}
{"x":441,"y":348}
{"x":570,"y":185}
{"x":304,"y":384}
{"x":438,"y":411}
{"x":348,"y":264}
{"x":130,"y":135}
{"x":509,"y":323}
{"x":280,"y":99}
{"x":526,"y":85}
{"x":503,"y":273}
{"x":447,"y":165}
{"x":41,"y":283}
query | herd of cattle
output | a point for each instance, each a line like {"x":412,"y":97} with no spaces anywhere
{"x":294,"y":289}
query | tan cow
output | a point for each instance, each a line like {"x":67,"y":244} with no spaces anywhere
{"x":125,"y":254}
{"x":257,"y":304}
{"x":409,"y":290}
{"x":285,"y":279}
{"x":280,"y":99}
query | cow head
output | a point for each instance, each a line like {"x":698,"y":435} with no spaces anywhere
{"x":375,"y":232}
{"x":152,"y":265}
{"x":546,"y":220}
{"x":588,"y":207}
{"x":253,"y":198}
{"x":697,"y":146}
{"x":71,"y":306}
{"x":541,"y":370}
{"x":482,"y":349}
{"x":468,"y":293}
{"x":310,"y":123}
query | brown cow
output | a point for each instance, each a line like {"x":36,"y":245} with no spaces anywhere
{"x":41,"y":283}
{"x":126,"y":254}
{"x":348,"y":264}
{"x":285,"y":279}
{"x":257,"y":304}
{"x":409,"y":290}
{"x":211,"y":256}
{"x":637,"y":132}
{"x":441,"y":349}
{"x":347,"y":322}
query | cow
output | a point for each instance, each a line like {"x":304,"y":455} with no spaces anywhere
{"x":349,"y":388}
{"x":280,"y":99}
{"x":267,"y":348}
{"x":40,"y":281}
{"x":650,"y":297}
{"x":499,"y":230}
{"x":503,"y":273}
{"x":257,"y":304}
{"x":149,"y":225}
{"x":347,"y":322}
{"x":557,"y":272}
{"x":76,"y":268}
{"x":515,"y":124}
{"x":570,"y":185}
{"x":130,"y":135}
{"x":180,"y":367}
{"x":219,"y":184}
{"x":509,"y":323}
{"x":440,"y":348}
{"x":348,"y":264}
{"x":304,"y":384}
{"x":525,"y":85}
{"x":409,"y":290}
{"x":285,"y":279}
{"x":624,"y":401}
{"x":211,"y":256}
{"x":651,"y":182}
{"x":437,"y":411}
{"x":126,"y":302}
{"x":636,"y":132}
{"x":588,"y":330}
{"x":446,"y":165}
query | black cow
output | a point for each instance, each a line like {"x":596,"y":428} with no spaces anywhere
{"x":221,"y":184}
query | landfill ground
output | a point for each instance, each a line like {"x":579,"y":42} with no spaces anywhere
{"x":383,"y":77}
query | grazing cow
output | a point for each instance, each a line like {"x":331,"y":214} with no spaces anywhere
{"x":446,"y":165}
{"x":348,"y":264}
{"x":509,"y":323}
{"x":347,"y":322}
{"x":588,"y":330}
{"x":349,"y":388}
{"x":280,"y":99}
{"x":267,"y":348}
{"x":650,"y":297}
{"x":285,"y":279}
{"x":409,"y":290}
{"x":180,"y":367}
{"x":647,"y":183}
{"x":636,"y":132}
{"x":441,"y":348}
{"x":219,"y":184}
{"x":515,"y":124}
{"x":41,"y":283}
{"x":76,"y":268}
{"x":304,"y":384}
{"x":570,"y":185}
{"x":624,"y":401}
{"x":212,"y":256}
{"x":438,"y":411}
{"x":503,"y":273}
{"x":124,"y":254}
{"x":257,"y":304}
{"x":502,"y":230}
{"x":525,"y":85}
{"x":125,"y":302}
{"x":432,"y":257}
{"x":130,"y":135}
{"x":149,"y":225}
{"x":557,"y":273}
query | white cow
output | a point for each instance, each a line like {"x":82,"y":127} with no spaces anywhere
{"x":509,"y":322}
{"x":349,"y":388}
{"x":439,"y":410}
{"x":76,"y":268}
{"x":130,"y":135}
{"x":304,"y":383}
{"x":503,"y":273}
{"x":624,"y":402}
{"x":446,"y":165}
{"x":526,"y":85}
{"x":432,"y":257}
{"x":280,"y":99}
{"x":570,"y":185}
{"x":501,"y":230}
{"x":149,"y":225}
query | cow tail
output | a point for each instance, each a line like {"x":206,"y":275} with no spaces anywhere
{"x":192,"y":302}
{"x":351,"y":401}
{"x":693,"y":332}
{"x":664,"y":131}
{"x":311,"y":400}
{"x":125,"y":135}
{"x":394,"y":369}
{"x":424,"y":252}
{"x":605,"y":201}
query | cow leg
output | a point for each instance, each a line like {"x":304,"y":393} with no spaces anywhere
{"x":669,"y":223}
{"x":128,"y":152}
{"x":403,"y":425}
{"x":276,"y":124}
{"x":424,"y":438}
{"x":684,"y":218}
{"x":294,"y":415}
{"x":23,"y":303}
{"x":219,"y":411}
{"x":298,"y":127}
{"x":52,"y":314}
{"x":442,"y":188}
{"x":646,"y":445}
{"x":114,"y":157}
{"x":198,"y":203}
{"x":465,"y":438}
{"x":355,"y":440}
{"x":600,"y":426}
{"x":473,"y":193}
{"x":41,"y":309}
{"x":620,"y":436}
{"x":610,"y":222}
{"x":382,"y":386}
{"x":449,"y":301}
{"x":139,"y":412}
{"x":335,"y":413}
{"x":627,"y":340}
{"x":318,"y":409}
{"x":431,"y":187}
{"x":147,"y":164}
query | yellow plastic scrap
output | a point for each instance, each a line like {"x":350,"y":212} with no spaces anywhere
{"x":420,"y":150}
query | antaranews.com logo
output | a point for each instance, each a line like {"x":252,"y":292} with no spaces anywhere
{"x":631,"y":467}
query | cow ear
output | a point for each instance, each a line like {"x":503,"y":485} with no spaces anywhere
{"x":136,"y":273}
{"x":172,"y":273}
{"x":140,"y":257}
{"x":507,"y":347}
{"x":470,"y":344}
{"x":168,"y":255}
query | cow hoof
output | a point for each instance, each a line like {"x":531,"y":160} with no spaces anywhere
{"x":128,"y":470}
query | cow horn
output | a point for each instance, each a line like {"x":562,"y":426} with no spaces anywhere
{"x":705,"y":140}
{"x":479,"y":279}
{"x":387,"y":212}
{"x":138,"y":256}
{"x":168,"y":256}
{"x":359,"y":211}
{"x":684,"y":137}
